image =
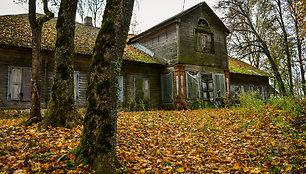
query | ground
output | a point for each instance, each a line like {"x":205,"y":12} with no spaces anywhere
{"x":234,"y":140}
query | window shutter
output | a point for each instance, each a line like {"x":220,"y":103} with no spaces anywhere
{"x":15,"y":83}
{"x":76,"y":86}
{"x":219,"y":84}
{"x":167,"y":87}
{"x":120,"y":95}
{"x":26,"y":85}
{"x":193,"y":85}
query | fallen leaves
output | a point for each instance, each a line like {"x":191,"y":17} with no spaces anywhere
{"x":199,"y":141}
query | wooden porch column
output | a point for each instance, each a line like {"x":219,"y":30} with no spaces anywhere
{"x":227,"y":86}
{"x":180,"y":87}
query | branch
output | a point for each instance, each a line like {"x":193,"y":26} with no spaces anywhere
{"x":48,"y":14}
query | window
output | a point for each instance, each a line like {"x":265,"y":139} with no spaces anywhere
{"x":219,"y":84}
{"x":236,"y":91}
{"x":204,"y":42}
{"x":76,"y":82}
{"x":120,"y":94}
{"x":167,"y":87}
{"x":193,"y":85}
{"x":202,"y":23}
{"x":207,"y":87}
{"x":19,"y":83}
{"x":142,"y":90}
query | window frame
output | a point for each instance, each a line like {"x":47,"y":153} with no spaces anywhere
{"x":143,"y":78}
{"x":198,"y":32}
{"x":9,"y":82}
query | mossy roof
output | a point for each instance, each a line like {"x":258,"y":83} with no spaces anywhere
{"x":15,"y":31}
{"x":237,"y":66}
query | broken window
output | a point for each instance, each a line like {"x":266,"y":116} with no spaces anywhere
{"x":236,"y":91}
{"x":204,"y":42}
{"x":76,"y":80}
{"x":142,"y":90}
{"x":120,"y":92}
{"x":193,"y":85}
{"x":219,"y":85}
{"x":19,"y":84}
{"x":167,"y":87}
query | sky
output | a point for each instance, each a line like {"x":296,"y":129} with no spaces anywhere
{"x":148,"y":14}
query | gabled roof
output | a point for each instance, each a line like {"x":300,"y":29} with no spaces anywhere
{"x":237,"y":66}
{"x":15,"y":31}
{"x":175,"y":19}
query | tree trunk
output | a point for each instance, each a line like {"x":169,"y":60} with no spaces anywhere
{"x":98,"y":141}
{"x":285,"y":36}
{"x":36,"y":75}
{"x":36,"y":27}
{"x":299,"y":46}
{"x":275,"y":70}
{"x":61,"y":110}
{"x":271,"y":61}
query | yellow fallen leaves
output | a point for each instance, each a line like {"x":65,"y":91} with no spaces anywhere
{"x":180,"y":170}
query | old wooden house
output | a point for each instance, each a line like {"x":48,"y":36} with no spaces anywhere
{"x":176,"y":63}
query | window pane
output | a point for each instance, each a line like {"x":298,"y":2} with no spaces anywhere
{"x":204,"y":42}
{"x":145,"y":91}
{"x":142,"y":91}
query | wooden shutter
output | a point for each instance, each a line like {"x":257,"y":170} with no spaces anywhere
{"x":120,"y":95}
{"x":219,"y":84}
{"x":76,"y":86}
{"x":193,"y":85}
{"x":26,"y":84}
{"x":15,"y":83}
{"x":167,"y":87}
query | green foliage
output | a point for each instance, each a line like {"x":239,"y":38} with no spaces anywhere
{"x":251,"y":101}
{"x":292,"y":110}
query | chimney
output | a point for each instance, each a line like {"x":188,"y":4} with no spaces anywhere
{"x":88,"y":21}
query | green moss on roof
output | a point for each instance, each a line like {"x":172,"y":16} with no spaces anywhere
{"x":15,"y":30}
{"x":237,"y":66}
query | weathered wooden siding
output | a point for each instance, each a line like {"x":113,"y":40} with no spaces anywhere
{"x":163,"y":43}
{"x":250,"y":81}
{"x":22,"y":58}
{"x":19,"y":57}
{"x":187,"y":40}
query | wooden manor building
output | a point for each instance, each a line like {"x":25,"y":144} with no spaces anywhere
{"x":177,"y":63}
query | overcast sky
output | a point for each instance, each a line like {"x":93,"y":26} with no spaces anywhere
{"x":149,"y":13}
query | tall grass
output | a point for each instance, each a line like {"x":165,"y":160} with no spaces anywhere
{"x":292,"y":109}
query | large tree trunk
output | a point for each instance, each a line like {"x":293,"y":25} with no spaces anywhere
{"x":61,"y":110}
{"x":36,"y":26}
{"x":98,"y":141}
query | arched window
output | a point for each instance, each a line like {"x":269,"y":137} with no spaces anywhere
{"x":202,"y":23}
